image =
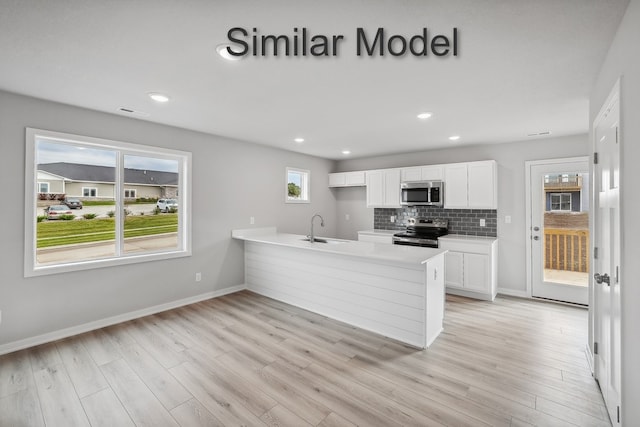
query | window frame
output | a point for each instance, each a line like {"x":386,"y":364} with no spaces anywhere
{"x":184,"y":158}
{"x":305,"y":185}
{"x":91,"y":189}
{"x":560,"y":195}
{"x":130,"y":190}
{"x":43,"y":183}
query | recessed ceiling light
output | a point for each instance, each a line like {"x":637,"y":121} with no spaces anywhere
{"x":454,"y":138}
{"x":224,"y":52}
{"x":345,"y":152}
{"x":299,"y":140}
{"x":158,"y":97}
{"x":424,"y":116}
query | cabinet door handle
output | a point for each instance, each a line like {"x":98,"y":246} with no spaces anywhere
{"x":435,"y":274}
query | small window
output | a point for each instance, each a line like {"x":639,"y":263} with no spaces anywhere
{"x":561,"y":202}
{"x":43,"y":187}
{"x":297,"y":186}
{"x":129,"y":194}
{"x":89,"y":192}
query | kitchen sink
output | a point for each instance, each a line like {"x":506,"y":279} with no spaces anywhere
{"x":321,"y":240}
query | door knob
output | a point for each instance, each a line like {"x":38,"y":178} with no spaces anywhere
{"x":536,"y":237}
{"x":536,"y":228}
{"x":600,"y":278}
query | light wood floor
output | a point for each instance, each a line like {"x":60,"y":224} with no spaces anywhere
{"x":248,"y":360}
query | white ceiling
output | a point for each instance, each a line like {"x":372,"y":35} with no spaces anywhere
{"x":523,"y":67}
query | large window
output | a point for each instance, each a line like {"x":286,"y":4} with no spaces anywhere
{"x":110,"y":228}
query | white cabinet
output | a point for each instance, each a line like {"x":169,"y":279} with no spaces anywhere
{"x":483,"y":182}
{"x":347,"y":179}
{"x":471,"y":185}
{"x":422,"y":173}
{"x":376,"y":236}
{"x":383,"y":188}
{"x":471,"y":266}
{"x":454,"y":269}
{"x":455,"y":186}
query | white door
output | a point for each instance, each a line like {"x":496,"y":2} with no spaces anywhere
{"x":606,"y":264}
{"x":558,"y":229}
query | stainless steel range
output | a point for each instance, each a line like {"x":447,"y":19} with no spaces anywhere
{"x":422,"y":232}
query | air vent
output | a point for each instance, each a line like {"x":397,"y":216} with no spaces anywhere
{"x":545,"y":133}
{"x":133,"y":112}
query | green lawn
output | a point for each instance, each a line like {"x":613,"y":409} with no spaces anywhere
{"x":56,"y":233}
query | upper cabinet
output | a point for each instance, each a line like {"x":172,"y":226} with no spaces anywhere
{"x":471,"y":185}
{"x":347,"y":179}
{"x":383,"y":188}
{"x":422,"y":173}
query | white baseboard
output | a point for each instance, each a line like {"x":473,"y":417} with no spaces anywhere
{"x":513,"y":293}
{"x":97,"y":324}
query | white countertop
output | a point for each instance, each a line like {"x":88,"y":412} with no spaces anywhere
{"x":460,"y":237}
{"x":375,"y":251}
{"x":380,"y":232}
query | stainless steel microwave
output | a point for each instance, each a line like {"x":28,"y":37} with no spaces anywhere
{"x":422,"y":193}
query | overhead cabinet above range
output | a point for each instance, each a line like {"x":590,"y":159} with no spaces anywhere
{"x":422,"y":173}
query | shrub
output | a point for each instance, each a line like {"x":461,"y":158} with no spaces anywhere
{"x":173,"y":209}
{"x":41,"y":218}
{"x":89,"y":215}
{"x":111,"y":214}
{"x":127,"y":212}
{"x":156,"y":211}
{"x":66,"y":217}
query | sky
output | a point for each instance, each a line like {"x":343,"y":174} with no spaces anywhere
{"x":54,"y":152}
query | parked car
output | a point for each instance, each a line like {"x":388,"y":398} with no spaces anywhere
{"x":166,"y":205}
{"x":73,"y":203}
{"x":54,"y":211}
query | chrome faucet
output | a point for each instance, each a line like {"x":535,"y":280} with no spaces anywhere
{"x":311,"y":236}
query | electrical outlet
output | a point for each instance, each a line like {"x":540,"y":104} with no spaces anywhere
{"x":198,"y":277}
{"x":483,"y":222}
{"x":392,"y":218}
{"x":252,"y":220}
{"x":347,"y":217}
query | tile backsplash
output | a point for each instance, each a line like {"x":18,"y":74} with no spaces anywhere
{"x":461,"y":221}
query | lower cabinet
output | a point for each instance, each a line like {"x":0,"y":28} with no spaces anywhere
{"x":471,"y":266}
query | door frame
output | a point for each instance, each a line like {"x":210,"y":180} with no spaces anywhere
{"x":595,"y":333}
{"x":528,"y":206}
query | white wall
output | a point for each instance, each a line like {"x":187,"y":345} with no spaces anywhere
{"x":232,"y":181}
{"x":623,"y":62}
{"x":511,"y":197}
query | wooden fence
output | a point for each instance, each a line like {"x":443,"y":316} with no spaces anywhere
{"x":566,"y":249}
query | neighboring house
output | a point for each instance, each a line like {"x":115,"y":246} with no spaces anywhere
{"x":97,"y":182}
{"x":565,"y":193}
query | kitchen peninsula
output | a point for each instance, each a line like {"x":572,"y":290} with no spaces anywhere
{"x":396,"y":291}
